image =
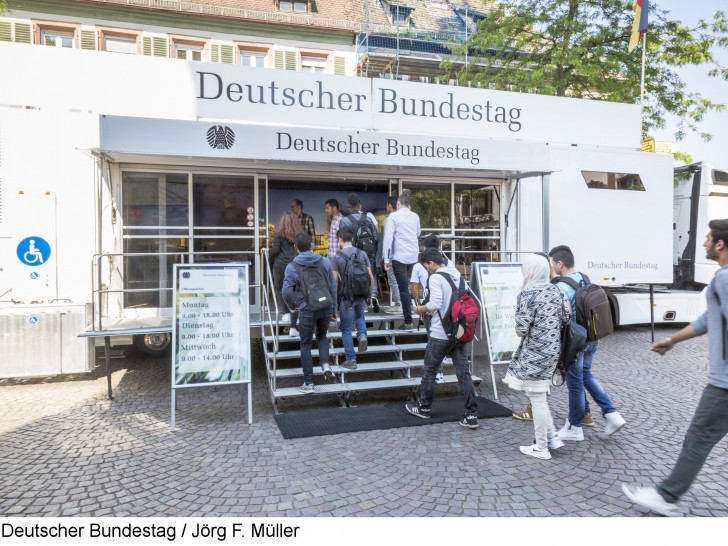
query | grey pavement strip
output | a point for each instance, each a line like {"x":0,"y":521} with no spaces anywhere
{"x":69,"y":451}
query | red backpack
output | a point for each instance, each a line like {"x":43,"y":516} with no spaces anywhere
{"x":462,"y":316}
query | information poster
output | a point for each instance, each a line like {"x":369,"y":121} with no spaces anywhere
{"x":211,"y":333}
{"x":499,"y":285}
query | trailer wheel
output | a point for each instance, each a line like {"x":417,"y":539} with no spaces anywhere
{"x":154,"y":345}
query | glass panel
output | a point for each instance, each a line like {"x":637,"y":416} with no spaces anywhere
{"x":224,"y":218}
{"x":612,"y":181}
{"x":477,"y":223}
{"x":155,"y":218}
{"x":286,"y":6}
{"x":253,"y":59}
{"x":300,"y":6}
{"x":720,"y":177}
{"x":432,"y":203}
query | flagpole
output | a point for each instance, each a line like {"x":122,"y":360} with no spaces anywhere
{"x":642,"y":84}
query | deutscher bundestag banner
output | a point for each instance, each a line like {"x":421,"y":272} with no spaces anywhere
{"x":211,"y":334}
{"x":499,"y":285}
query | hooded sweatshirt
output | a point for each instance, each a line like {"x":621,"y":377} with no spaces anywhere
{"x":440,"y":298}
{"x":292,"y":293}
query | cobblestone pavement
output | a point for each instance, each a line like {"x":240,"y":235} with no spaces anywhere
{"x":67,"y":450}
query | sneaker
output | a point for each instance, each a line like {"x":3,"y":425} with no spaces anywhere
{"x":524,"y":414}
{"x":349,"y":364}
{"x":534,"y":451}
{"x":614,"y":423}
{"x":293,"y":332}
{"x":306,"y":388}
{"x":415,"y":409}
{"x":286,"y":317}
{"x":588,"y":420}
{"x":394,"y":310}
{"x":406,"y":327}
{"x":439,"y":378}
{"x":554,"y":442}
{"x":362,"y":343}
{"x":328,"y":374}
{"x":652,"y":500}
{"x":470,"y":421}
{"x":575,"y":434}
{"x":375,"y":305}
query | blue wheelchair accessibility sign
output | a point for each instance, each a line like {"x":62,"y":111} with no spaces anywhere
{"x":34,"y":251}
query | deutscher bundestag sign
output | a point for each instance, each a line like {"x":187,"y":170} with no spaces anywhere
{"x":211,"y":331}
{"x":499,"y":285}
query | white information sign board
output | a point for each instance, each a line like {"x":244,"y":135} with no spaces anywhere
{"x":498,"y":285}
{"x":211,"y":331}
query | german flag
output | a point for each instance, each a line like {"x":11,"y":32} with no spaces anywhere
{"x":639,"y":26}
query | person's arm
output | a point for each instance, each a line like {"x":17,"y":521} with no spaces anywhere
{"x":332,"y":279}
{"x":276,"y":248}
{"x":436,"y":294}
{"x":524,"y":316}
{"x":371,"y":284}
{"x":387,"y":242}
{"x":289,"y":285}
{"x":663,"y":345}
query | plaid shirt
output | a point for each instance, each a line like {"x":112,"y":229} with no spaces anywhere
{"x":308,"y":227}
{"x":333,"y":235}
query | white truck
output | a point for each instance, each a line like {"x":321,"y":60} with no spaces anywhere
{"x":700,"y":195}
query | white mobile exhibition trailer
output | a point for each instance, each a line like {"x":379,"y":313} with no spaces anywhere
{"x":113,"y":168}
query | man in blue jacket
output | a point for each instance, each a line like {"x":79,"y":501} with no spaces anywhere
{"x":710,"y":422}
{"x":309,"y":320}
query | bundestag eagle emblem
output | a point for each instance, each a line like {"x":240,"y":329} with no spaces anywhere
{"x":220,"y":138}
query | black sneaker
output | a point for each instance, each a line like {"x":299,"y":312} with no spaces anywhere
{"x":415,"y":409}
{"x":470,"y":421}
{"x":375,"y":305}
{"x":406,"y":327}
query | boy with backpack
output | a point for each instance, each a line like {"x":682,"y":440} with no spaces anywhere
{"x":353,"y":274}
{"x":444,"y":339}
{"x":366,"y":235}
{"x":579,"y":378}
{"x":309,"y":287}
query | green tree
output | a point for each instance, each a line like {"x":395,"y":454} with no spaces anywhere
{"x":3,"y":6}
{"x":578,"y":48}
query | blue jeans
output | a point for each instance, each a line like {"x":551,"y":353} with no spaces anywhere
{"x":437,"y":350}
{"x":403,"y":273}
{"x":351,"y":313}
{"x":308,"y":322}
{"x":580,"y":379}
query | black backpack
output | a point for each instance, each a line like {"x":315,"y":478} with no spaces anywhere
{"x":315,"y":285}
{"x":365,"y":234}
{"x":592,"y":307}
{"x":354,"y":281}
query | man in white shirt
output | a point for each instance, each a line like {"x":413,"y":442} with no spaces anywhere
{"x":400,"y":249}
{"x":396,"y":307}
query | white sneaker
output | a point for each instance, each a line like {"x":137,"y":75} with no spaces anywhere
{"x":614,"y":423}
{"x":555,"y":442}
{"x":575,"y":434}
{"x":652,"y":500}
{"x":439,"y":378}
{"x":286,"y":317}
{"x":394,"y":310}
{"x":293,"y":332}
{"x":534,"y":451}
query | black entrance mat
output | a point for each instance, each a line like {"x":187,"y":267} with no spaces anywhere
{"x":304,"y":424}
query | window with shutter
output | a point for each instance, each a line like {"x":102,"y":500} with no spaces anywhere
{"x":88,"y":39}
{"x":291,"y":60}
{"x":155,"y":46}
{"x":6,"y":31}
{"x":23,"y":33}
{"x":340,"y":66}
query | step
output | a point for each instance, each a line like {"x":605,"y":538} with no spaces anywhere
{"x":284,"y":355}
{"x":337,"y":335}
{"x":367,"y":367}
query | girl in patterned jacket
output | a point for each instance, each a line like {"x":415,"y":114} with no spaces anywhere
{"x":541,"y":312}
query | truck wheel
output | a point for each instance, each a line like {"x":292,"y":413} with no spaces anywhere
{"x":154,"y":345}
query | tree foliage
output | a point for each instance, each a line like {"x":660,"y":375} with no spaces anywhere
{"x":578,"y":48}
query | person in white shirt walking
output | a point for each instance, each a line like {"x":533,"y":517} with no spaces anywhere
{"x":400,"y":250}
{"x":396,"y":307}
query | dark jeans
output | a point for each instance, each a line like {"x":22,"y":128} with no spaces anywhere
{"x":351,"y":313}
{"x":308,"y":322}
{"x":437,"y":350}
{"x":708,"y":427}
{"x":403,"y":273}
